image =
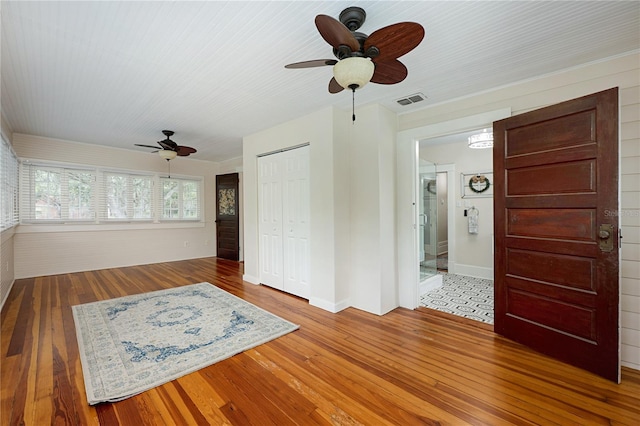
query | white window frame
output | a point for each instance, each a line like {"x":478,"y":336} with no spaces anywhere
{"x":28,"y":207}
{"x":130,"y":214}
{"x":181,"y":204}
{"x":99,"y":201}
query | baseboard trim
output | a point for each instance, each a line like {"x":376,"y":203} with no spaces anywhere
{"x":251,"y":279}
{"x":328,"y":306}
{"x":429,"y":284}
{"x":6,"y":296}
{"x":473,"y":271}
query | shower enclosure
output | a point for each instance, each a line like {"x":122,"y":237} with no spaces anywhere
{"x":428,"y":220}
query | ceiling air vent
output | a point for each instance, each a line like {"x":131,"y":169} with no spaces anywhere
{"x":412,"y":99}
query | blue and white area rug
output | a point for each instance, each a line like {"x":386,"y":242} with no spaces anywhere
{"x":131,"y":344}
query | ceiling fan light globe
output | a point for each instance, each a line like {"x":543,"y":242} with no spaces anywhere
{"x":167,"y":154}
{"x":355,"y":71}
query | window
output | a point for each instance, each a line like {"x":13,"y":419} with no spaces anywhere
{"x":9,"y":186}
{"x":128,"y":196}
{"x":58,"y":194}
{"x":180,"y":199}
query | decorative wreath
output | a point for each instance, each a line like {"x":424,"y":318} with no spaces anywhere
{"x":479,"y":179}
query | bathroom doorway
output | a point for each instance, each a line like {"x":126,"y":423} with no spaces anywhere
{"x":434,"y":227}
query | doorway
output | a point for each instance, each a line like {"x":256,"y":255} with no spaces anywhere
{"x":466,"y":268}
{"x":433,"y":225}
{"x":407,"y":195}
{"x":227,"y":217}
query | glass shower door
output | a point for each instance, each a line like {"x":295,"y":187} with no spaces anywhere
{"x":427,"y":220}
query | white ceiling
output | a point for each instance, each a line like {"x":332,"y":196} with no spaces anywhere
{"x":117,"y":73}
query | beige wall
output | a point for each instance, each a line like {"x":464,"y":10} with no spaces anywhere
{"x":54,"y":249}
{"x":623,"y":72}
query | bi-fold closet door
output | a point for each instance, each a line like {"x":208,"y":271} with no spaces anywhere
{"x":283,"y":211}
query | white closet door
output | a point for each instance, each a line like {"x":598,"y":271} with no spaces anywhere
{"x":283,"y":198}
{"x":270,"y":220}
{"x":295,"y":221}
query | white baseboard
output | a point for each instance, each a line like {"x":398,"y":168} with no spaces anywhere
{"x":472,"y":271}
{"x":630,"y":365}
{"x":328,"y":306}
{"x":443,"y":247}
{"x":429,"y":284}
{"x":251,"y":279}
{"x":6,"y":296}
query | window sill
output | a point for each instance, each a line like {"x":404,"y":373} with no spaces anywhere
{"x":115,"y":226}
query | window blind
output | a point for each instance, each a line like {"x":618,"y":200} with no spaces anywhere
{"x":9,"y":188}
{"x":181,"y":199}
{"x":53,"y":193}
{"x":126,"y":196}
{"x":60,"y":193}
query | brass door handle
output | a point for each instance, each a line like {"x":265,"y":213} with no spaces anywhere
{"x":604,"y":234}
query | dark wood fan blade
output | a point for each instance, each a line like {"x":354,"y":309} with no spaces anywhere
{"x":146,"y":146}
{"x":334,"y":87}
{"x":391,"y":71}
{"x":312,"y":64}
{"x":335,"y":33}
{"x":183,"y":151}
{"x":395,"y":40}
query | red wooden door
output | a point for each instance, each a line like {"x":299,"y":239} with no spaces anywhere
{"x":227,"y":217}
{"x":556,"y":231}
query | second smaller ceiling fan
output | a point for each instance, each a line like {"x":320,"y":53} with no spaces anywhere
{"x":169,"y":145}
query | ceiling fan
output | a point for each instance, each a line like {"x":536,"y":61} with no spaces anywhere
{"x":362,"y":58}
{"x":169,"y":149}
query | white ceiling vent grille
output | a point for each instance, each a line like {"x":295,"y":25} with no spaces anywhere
{"x":412,"y":99}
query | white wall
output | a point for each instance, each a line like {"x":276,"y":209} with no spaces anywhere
{"x":623,"y":72}
{"x":55,"y":249}
{"x":372,"y":186}
{"x":327,"y":214}
{"x":473,"y":252}
{"x":352,"y":179}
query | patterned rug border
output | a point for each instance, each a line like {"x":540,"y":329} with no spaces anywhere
{"x":89,"y":359}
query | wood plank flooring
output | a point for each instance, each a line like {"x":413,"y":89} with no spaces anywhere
{"x":350,"y":368}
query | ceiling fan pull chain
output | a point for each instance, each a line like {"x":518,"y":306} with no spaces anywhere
{"x":353,"y":105}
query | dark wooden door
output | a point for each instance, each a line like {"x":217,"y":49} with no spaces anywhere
{"x":227,"y":216}
{"x":556,"y":231}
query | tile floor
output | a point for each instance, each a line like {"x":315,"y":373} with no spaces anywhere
{"x":464,"y":296}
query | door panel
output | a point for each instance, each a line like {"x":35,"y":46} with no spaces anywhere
{"x":270,"y":225}
{"x":227,"y":217}
{"x":296,"y":221}
{"x":284,"y":221}
{"x":556,"y":184}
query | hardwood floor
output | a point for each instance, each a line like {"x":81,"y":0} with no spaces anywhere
{"x":403,"y":368}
